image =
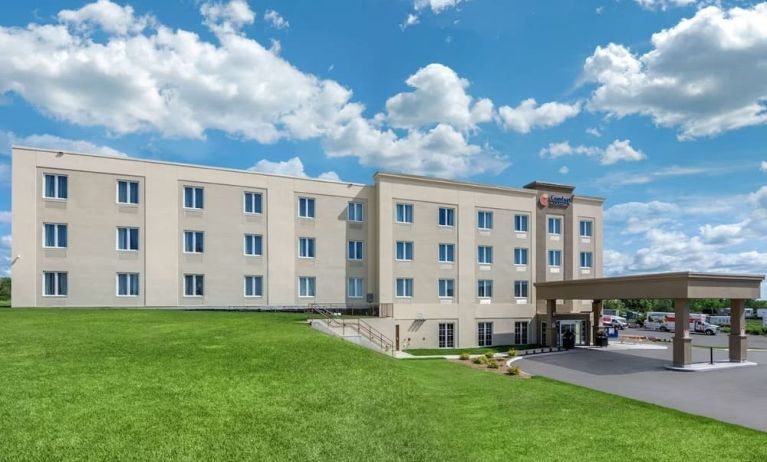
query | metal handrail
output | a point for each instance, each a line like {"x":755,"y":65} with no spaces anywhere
{"x":362,"y":327}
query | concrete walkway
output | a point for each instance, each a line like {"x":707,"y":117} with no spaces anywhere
{"x":737,"y":396}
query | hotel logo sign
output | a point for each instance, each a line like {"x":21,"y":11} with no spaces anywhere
{"x":547,"y":200}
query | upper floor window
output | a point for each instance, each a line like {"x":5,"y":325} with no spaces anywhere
{"x":355,"y":288}
{"x":127,"y":192}
{"x":354,"y":212}
{"x":127,"y":284}
{"x":446,"y":216}
{"x":55,"y":284}
{"x":520,"y":256}
{"x":404,"y":287}
{"x":521,"y":223}
{"x":355,"y":250}
{"x":484,"y":220}
{"x":485,"y":288}
{"x":587,"y":259}
{"x":307,"y":286}
{"x":520,"y":289}
{"x":55,"y":187}
{"x":55,"y":235}
{"x":404,"y":250}
{"x":305,"y":247}
{"x":447,"y":253}
{"x":253,"y":202}
{"x":485,"y":254}
{"x":587,"y":228}
{"x":446,"y":288}
{"x":306,"y":207}
{"x":127,"y":238}
{"x":555,"y":257}
{"x":194,"y":285}
{"x":404,"y":213}
{"x":254,"y":245}
{"x":254,"y":286}
{"x":194,"y":242}
{"x":555,"y":225}
{"x":193,"y":197}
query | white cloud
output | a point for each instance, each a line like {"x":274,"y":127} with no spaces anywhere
{"x":439,"y":97}
{"x":617,"y":151}
{"x":594,"y":131}
{"x":645,"y":177}
{"x":664,"y":4}
{"x":436,"y":6}
{"x":704,"y":75}
{"x":564,"y":170}
{"x":276,"y":20}
{"x":5,"y":255}
{"x":529,"y":115}
{"x":290,"y":167}
{"x":108,"y":16}
{"x":763,"y":166}
{"x":411,"y":20}
{"x":227,"y":17}
{"x":5,"y":217}
{"x":8,"y":139}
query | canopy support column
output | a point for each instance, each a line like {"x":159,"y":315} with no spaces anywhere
{"x":596,"y":311}
{"x":738,"y":331}
{"x":551,"y":309}
{"x":682,"y":339}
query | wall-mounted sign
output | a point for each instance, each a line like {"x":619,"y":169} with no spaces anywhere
{"x":552,"y":200}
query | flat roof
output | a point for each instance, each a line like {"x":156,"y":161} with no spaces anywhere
{"x":655,"y":285}
{"x":431,"y":179}
{"x":549,"y":185}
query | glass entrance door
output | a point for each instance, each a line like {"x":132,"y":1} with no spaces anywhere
{"x":576,"y":327}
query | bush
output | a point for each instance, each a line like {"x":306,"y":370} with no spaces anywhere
{"x":513,"y":352}
{"x":513,"y":370}
{"x":492,"y":364}
{"x":464,"y":356}
{"x":479,"y":360}
{"x":489,"y":354}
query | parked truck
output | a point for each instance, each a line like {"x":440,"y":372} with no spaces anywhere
{"x":698,"y":324}
{"x":618,"y":322}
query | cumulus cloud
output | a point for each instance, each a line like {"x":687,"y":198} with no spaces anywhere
{"x":529,"y":115}
{"x":703,"y":76}
{"x":410,"y":20}
{"x":664,"y":4}
{"x":226,"y":17}
{"x":46,"y":141}
{"x":108,"y":16}
{"x":617,"y":151}
{"x":291,"y":167}
{"x":763,"y":166}
{"x":276,"y":20}
{"x":436,"y":6}
{"x":564,"y":170}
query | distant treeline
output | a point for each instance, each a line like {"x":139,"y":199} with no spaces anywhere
{"x":5,"y":288}
{"x":704,"y":305}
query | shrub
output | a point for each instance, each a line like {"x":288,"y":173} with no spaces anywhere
{"x":492,"y":364}
{"x":489,"y":354}
{"x":479,"y":360}
{"x":513,"y":370}
{"x":464,"y":356}
{"x":513,"y":352}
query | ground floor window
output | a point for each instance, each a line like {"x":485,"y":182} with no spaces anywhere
{"x":55,"y":284}
{"x":306,"y":287}
{"x":194,"y":285}
{"x":446,"y":335}
{"x":127,"y":284}
{"x":520,"y":333}
{"x":254,"y":286}
{"x":485,"y":334}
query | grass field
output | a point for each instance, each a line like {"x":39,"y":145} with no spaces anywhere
{"x":159,"y":385}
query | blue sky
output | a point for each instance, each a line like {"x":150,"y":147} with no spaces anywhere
{"x":657,"y":105}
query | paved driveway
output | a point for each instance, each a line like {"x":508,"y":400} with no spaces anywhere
{"x":732,"y":395}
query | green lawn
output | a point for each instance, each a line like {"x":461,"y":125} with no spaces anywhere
{"x":471,"y":351}
{"x":160,"y":385}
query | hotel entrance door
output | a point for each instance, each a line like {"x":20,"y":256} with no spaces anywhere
{"x":576,"y":327}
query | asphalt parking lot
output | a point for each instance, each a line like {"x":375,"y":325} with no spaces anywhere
{"x":731,"y":395}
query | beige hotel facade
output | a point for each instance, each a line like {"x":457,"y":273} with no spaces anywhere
{"x":457,"y":261}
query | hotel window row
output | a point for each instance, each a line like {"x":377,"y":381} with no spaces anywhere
{"x":446,"y":288}
{"x":586,"y":227}
{"x":446,"y":217}
{"x":446,"y":253}
{"x":555,"y":259}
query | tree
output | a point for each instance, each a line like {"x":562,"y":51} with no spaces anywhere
{"x":5,"y":288}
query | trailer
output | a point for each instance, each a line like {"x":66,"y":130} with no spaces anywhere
{"x":698,"y":323}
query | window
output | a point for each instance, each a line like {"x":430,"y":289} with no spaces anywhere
{"x":127,"y":192}
{"x":306,"y":286}
{"x":555,"y":225}
{"x":587,"y":228}
{"x":55,"y":187}
{"x":254,"y":245}
{"x":306,"y":207}
{"x":355,"y":250}
{"x":254,"y":286}
{"x":446,"y":335}
{"x":192,"y":197}
{"x":355,"y":288}
{"x":447,"y":253}
{"x":520,"y":333}
{"x":253,"y":203}
{"x":127,"y":239}
{"x":127,"y":284}
{"x":555,"y":257}
{"x":306,"y":247}
{"x":404,"y":213}
{"x":485,"y":288}
{"x":404,"y":287}
{"x":520,"y":289}
{"x":55,"y":235}
{"x":586,"y":259}
{"x":446,"y":288}
{"x":354,"y":212}
{"x":520,"y":223}
{"x":194,"y":285}
{"x":446,"y":216}
{"x":404,"y":251}
{"x":484,"y":255}
{"x":520,"y":256}
{"x":193,"y":242}
{"x":484,"y":334}
{"x":55,"y":284}
{"x":484,"y":220}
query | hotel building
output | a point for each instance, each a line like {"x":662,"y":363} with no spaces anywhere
{"x":454,"y":261}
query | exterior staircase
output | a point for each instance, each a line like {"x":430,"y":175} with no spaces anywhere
{"x":354,"y":330}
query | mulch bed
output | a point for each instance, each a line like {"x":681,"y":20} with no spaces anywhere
{"x":501,"y":368}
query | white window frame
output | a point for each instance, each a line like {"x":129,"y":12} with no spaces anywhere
{"x":479,"y":252}
{"x":56,"y":284}
{"x":56,"y":188}
{"x":313,"y":247}
{"x":404,"y":250}
{"x":447,"y":281}
{"x":355,"y":212}
{"x":484,"y":284}
{"x":352,"y":283}
{"x":405,"y":285}
{"x":525,"y":284}
{"x":128,"y":275}
{"x":305,"y":213}
{"x":405,"y":207}
{"x":128,"y":230}
{"x":590,"y":226}
{"x":245,"y":285}
{"x":255,"y":238}
{"x":549,"y":221}
{"x":447,"y":246}
{"x":482,"y":224}
{"x":359,"y":250}
{"x":128,"y":184}
{"x":195,"y":277}
{"x":57,"y":244}
{"x":194,"y":241}
{"x":548,"y":258}
{"x":484,"y":329}
{"x":521,"y":333}
{"x":590,"y":257}
{"x":301,"y":280}
{"x":527,"y":223}
{"x":523,"y":251}
{"x":194,"y":197}
{"x":253,"y":202}
{"x":449,"y":214}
